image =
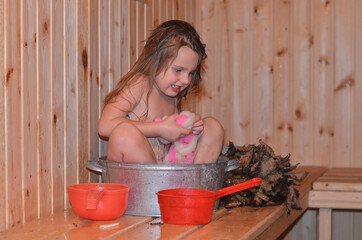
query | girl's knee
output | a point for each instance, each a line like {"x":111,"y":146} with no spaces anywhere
{"x":126,"y":134}
{"x":213,"y":127}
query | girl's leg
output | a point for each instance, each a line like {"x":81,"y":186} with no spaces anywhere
{"x":128,"y":144}
{"x":210,"y":142}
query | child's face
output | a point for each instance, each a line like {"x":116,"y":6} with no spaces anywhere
{"x":178,"y":76}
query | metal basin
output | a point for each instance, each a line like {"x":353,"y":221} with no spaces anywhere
{"x":145,"y":180}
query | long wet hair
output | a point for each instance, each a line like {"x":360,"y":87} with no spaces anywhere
{"x":160,"y":50}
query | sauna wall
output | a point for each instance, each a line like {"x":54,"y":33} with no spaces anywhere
{"x":285,"y":71}
{"x":289,"y":72}
{"x":58,"y":59}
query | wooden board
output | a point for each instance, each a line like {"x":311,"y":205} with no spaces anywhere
{"x":261,"y":223}
{"x":340,"y":179}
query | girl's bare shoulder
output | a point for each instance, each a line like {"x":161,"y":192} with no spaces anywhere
{"x":131,"y":95}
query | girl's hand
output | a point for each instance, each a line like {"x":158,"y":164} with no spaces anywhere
{"x":198,"y":126}
{"x":171,"y":131}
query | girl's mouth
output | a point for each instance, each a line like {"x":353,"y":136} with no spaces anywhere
{"x":175,"y":88}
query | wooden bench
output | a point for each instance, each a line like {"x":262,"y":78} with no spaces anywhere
{"x":338,"y":188}
{"x":237,"y":223}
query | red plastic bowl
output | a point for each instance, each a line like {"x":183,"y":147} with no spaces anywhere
{"x":187,"y":206}
{"x":99,"y":201}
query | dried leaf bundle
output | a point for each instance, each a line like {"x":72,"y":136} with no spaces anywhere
{"x":277,"y":185}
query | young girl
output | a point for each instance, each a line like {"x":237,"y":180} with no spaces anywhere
{"x":168,"y":68}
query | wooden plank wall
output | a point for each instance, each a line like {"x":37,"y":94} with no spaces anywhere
{"x":287,"y":72}
{"x":284,"y":71}
{"x":58,"y":59}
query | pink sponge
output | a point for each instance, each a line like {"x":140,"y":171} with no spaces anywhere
{"x":184,"y":150}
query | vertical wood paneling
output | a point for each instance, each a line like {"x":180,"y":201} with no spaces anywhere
{"x":132,"y":31}
{"x":207,"y":24}
{"x":44,"y":108}
{"x":29,"y":108}
{"x":155,"y":13}
{"x":58,"y":60}
{"x":282,"y":86}
{"x":141,"y":26}
{"x":104,"y":61}
{"x":242,"y":52}
{"x":94,"y":80}
{"x":303,"y":40}
{"x":322,"y":88}
{"x":284,"y":71}
{"x":94,"y":83}
{"x":221,"y":70}
{"x":70,"y":100}
{"x":124,"y":54}
{"x":344,"y":82}
{"x":3,"y":173}
{"x":262,"y":97}
{"x":115,"y":43}
{"x":357,"y":127}
{"x":13,"y":114}
{"x":83,"y":90}
{"x":57,"y":101}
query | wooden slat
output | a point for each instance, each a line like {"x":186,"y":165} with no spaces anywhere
{"x":302,"y":45}
{"x":2,"y":123}
{"x":322,"y":85}
{"x":262,"y":93}
{"x":44,"y":227}
{"x":282,"y":136}
{"x":125,"y":38}
{"x":94,"y":82}
{"x":207,"y":27}
{"x":71,"y":142}
{"x":141,"y":27}
{"x":13,"y":123}
{"x":340,"y":179}
{"x":357,"y":127}
{"x":104,"y":61}
{"x":325,"y":223}
{"x":163,"y":10}
{"x":156,"y":16}
{"x":242,"y":38}
{"x":83,"y":94}
{"x":132,"y":30}
{"x":29,"y":108}
{"x":335,"y":199}
{"x":57,"y":104}
{"x":258,"y":223}
{"x":99,"y":230}
{"x":343,"y":83}
{"x":165,"y":231}
{"x":44,"y":106}
{"x":115,"y":43}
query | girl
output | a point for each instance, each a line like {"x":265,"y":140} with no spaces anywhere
{"x":168,"y":68}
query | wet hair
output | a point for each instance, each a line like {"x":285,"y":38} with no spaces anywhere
{"x":160,"y":50}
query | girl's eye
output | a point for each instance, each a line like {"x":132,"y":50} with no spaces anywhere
{"x":178,"y":70}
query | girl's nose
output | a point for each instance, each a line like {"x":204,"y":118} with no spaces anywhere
{"x":186,"y":79}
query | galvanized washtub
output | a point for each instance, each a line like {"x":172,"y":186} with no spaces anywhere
{"x":145,"y":180}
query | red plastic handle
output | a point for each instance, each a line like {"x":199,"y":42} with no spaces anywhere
{"x":93,"y":198}
{"x":237,"y":188}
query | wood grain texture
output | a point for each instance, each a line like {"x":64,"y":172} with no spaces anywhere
{"x":57,"y":99}
{"x":71,"y":175}
{"x":13,"y":122}
{"x":83,"y":77}
{"x":3,"y":160}
{"x":29,"y":108}
{"x":284,"y":71}
{"x":44,"y":105}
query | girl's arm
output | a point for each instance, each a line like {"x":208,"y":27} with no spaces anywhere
{"x":115,"y":113}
